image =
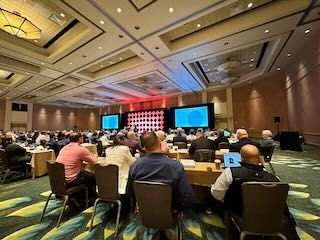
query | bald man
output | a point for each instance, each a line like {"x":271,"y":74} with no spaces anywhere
{"x":227,"y":189}
{"x":243,"y":139}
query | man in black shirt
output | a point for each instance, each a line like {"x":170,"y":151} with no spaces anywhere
{"x":201,"y":143}
{"x":242,"y":136}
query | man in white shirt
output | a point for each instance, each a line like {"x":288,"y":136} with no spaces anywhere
{"x":43,"y":136}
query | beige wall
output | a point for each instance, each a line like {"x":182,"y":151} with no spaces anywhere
{"x":2,"y":113}
{"x":255,"y":105}
{"x":303,"y":90}
{"x":46,"y":117}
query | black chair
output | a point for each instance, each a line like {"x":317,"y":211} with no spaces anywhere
{"x":107,"y":183}
{"x":204,"y":155}
{"x":155,"y":205}
{"x":266,"y":218}
{"x":224,"y":145}
{"x":267,"y":156}
{"x":59,"y":187}
{"x":99,"y":148}
{"x":181,"y":145}
{"x":12,"y":170}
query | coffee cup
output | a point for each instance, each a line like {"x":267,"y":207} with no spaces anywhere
{"x":218,"y":163}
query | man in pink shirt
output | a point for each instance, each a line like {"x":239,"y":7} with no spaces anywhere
{"x":72,"y":157}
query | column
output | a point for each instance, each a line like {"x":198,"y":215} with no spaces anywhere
{"x":180,"y":103}
{"x":7,"y":117}
{"x":230,"y":109}
{"x":164,"y":103}
{"x":30,"y":116}
{"x":204,"y":98}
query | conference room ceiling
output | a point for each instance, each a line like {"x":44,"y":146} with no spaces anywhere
{"x":97,"y":53}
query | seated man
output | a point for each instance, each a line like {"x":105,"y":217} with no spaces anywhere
{"x":155,"y":166}
{"x":191,"y":137}
{"x":170,"y":136}
{"x":227,"y":189}
{"x":243,"y":139}
{"x":201,"y":143}
{"x":221,"y":138}
{"x":180,"y":137}
{"x":72,"y":157}
{"x":132,"y":143}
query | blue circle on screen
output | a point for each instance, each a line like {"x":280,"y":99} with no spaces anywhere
{"x":195,"y":118}
{"x":112,"y":123}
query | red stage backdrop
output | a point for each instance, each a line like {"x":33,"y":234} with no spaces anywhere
{"x":151,"y":120}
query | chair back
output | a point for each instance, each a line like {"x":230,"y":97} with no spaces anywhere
{"x":107,"y":181}
{"x":267,"y":153}
{"x":181,"y":145}
{"x":204,"y":155}
{"x":3,"y":158}
{"x":263,"y":206}
{"x":224,"y":145}
{"x":154,"y":201}
{"x":57,"y":177}
{"x":99,"y":148}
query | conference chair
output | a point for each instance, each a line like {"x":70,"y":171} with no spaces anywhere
{"x":59,"y":187}
{"x":154,"y":201}
{"x":224,"y":145}
{"x":204,"y":155}
{"x":10,"y":169}
{"x":267,"y":156}
{"x":99,"y":148}
{"x":263,"y":208}
{"x":107,"y":183}
{"x":181,"y":145}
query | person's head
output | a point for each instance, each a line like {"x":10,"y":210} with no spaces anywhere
{"x":151,"y":142}
{"x":241,"y":133}
{"x":76,"y":137}
{"x":200,"y":133}
{"x":266,"y":134}
{"x":192,"y":131}
{"x":220,"y":132}
{"x":118,"y":141}
{"x":161,"y":135}
{"x":250,"y":154}
{"x":179,"y":131}
{"x":130,"y":135}
{"x":171,"y":131}
{"x":211,"y":134}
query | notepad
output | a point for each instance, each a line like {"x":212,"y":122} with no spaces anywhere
{"x":187,"y":163}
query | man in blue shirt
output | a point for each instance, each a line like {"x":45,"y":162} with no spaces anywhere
{"x":155,"y":166}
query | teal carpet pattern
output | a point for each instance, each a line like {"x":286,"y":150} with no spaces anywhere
{"x":21,"y":204}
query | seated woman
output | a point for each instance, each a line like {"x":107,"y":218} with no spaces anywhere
{"x":119,"y":154}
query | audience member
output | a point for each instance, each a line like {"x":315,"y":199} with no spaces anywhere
{"x":243,"y":137}
{"x":104,"y":139}
{"x":132,"y":143}
{"x":170,"y":136}
{"x":221,"y":138}
{"x":72,"y":157}
{"x":267,"y":140}
{"x":179,"y":137}
{"x":43,"y":136}
{"x":212,"y":135}
{"x":227,"y":189}
{"x":157,"y":167}
{"x":16,"y":155}
{"x":162,"y":137}
{"x":191,"y":137}
{"x":201,"y":143}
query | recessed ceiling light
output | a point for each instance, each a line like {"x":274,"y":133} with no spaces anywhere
{"x":7,"y":97}
{"x":42,"y":63}
{"x":62,"y":15}
{"x":266,"y":31}
{"x":250,"y":65}
{"x":25,"y":87}
{"x":119,"y":10}
{"x":171,"y":10}
{"x":101,"y":22}
{"x":307,"y":31}
{"x":120,"y":58}
{"x":27,"y":73}
{"x":101,"y":65}
{"x":198,"y":25}
{"x":99,"y":48}
{"x":252,"y":59}
{"x":35,"y":40}
{"x":278,"y":69}
{"x":37,"y":81}
{"x":249,"y":82}
{"x":70,"y":63}
{"x":289,"y":54}
{"x":250,"y":5}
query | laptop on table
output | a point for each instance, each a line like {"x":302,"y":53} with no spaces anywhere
{"x":232,"y":160}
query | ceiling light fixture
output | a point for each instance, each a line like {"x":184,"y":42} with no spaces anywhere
{"x":250,"y":5}
{"x":266,"y":31}
{"x":99,"y":48}
{"x":101,"y":22}
{"x":70,"y":63}
{"x":289,"y":54}
{"x":307,"y":31}
{"x":101,"y":65}
{"x":37,"y":81}
{"x":171,"y":10}
{"x":250,"y":65}
{"x":42,"y":63}
{"x":120,"y":58}
{"x":62,"y":15}
{"x":252,"y":59}
{"x":278,"y":69}
{"x":35,"y":40}
{"x":119,"y":10}
{"x":17,"y":25}
{"x":249,"y":82}
{"x":198,"y":25}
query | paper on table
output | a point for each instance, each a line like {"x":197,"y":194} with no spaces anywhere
{"x":187,"y":163}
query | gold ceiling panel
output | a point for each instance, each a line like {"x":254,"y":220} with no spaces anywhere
{"x":4,"y":74}
{"x":49,"y":18}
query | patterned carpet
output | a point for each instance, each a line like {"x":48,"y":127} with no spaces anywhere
{"x":21,"y":204}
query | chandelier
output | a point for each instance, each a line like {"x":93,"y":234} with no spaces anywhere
{"x":15,"y":24}
{"x":228,"y":66}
